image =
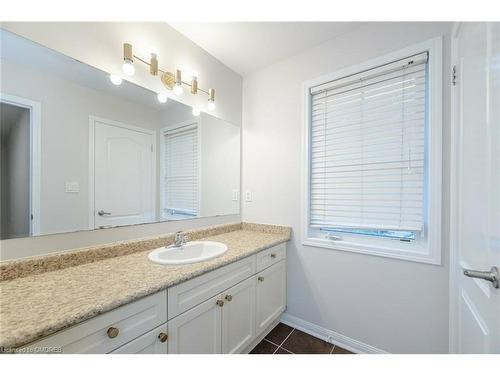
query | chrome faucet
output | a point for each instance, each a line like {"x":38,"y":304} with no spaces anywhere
{"x":180,"y":240}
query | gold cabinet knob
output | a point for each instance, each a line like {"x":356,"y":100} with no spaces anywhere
{"x":228,"y":297}
{"x":220,"y":303}
{"x":273,"y":256}
{"x":112,"y":332}
{"x":163,"y":337}
{"x":260,"y":278}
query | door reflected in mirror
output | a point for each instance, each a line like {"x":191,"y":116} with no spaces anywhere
{"x":80,"y":152}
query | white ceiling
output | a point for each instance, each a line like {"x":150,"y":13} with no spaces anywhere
{"x":249,"y":46}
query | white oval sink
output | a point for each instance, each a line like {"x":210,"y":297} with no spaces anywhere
{"x":191,"y":252}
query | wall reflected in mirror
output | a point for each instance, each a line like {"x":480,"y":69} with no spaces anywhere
{"x":79,"y":152}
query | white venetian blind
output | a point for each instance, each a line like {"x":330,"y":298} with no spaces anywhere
{"x":181,"y":171}
{"x":368,"y":148}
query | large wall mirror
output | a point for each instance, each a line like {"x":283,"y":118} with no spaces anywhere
{"x":80,"y":153}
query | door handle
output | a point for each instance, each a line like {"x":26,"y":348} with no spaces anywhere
{"x":102,"y":213}
{"x":491,"y":275}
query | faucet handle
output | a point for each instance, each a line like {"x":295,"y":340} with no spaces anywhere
{"x":185,"y":238}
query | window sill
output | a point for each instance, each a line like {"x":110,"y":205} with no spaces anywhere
{"x":387,"y":252}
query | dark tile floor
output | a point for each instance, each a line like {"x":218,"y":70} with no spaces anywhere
{"x":284,"y":339}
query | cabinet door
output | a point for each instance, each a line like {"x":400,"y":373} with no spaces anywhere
{"x":238,"y":316}
{"x":271,"y":294}
{"x":198,"y":330}
{"x":153,"y":342}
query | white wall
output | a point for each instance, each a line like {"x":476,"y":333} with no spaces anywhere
{"x":220,"y":166}
{"x":394,"y":305}
{"x":100,"y":44}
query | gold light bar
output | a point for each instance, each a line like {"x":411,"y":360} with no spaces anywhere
{"x":128,"y":54}
{"x":168,"y":79}
{"x":178,"y":77}
{"x":194,"y":86}
{"x":153,"y":65}
{"x":211,"y":95}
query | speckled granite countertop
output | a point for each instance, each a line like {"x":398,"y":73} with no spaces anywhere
{"x":36,"y":305}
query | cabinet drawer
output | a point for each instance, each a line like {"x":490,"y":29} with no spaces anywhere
{"x":149,"y":343}
{"x":184,"y":296}
{"x":271,"y":256}
{"x":131,"y":321}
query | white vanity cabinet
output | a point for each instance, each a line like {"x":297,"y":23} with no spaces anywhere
{"x":238,"y":316}
{"x":222,"y":311}
{"x":233,"y":318}
{"x":107,"y":332}
{"x":153,"y":342}
{"x":271,"y":295}
{"x":223,"y":324}
{"x":197,"y":331}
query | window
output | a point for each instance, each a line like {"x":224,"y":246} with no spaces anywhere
{"x":374,"y":157}
{"x":180,"y":173}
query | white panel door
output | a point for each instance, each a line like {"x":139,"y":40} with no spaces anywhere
{"x":238,"y":317}
{"x":477,"y":234}
{"x":197,"y":331}
{"x":124,"y":176}
{"x":271,"y":295}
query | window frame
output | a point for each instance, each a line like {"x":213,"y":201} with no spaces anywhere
{"x":196,"y":123}
{"x":428,"y":251}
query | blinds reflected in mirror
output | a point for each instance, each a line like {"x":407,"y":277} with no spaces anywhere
{"x":180,"y":171}
{"x":367,"y":145}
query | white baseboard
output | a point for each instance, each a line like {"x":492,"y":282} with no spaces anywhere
{"x":330,"y":336}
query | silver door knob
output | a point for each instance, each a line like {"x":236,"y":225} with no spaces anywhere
{"x":102,"y":213}
{"x":492,"y":275}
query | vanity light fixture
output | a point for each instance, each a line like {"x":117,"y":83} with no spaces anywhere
{"x":128,"y":60}
{"x":178,"y":90}
{"x":194,"y":85}
{"x":153,"y":65}
{"x":170,"y":80}
{"x":196,"y":112}
{"x":211,"y":100}
{"x":115,"y":80}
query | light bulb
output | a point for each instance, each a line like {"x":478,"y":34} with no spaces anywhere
{"x":128,"y":68}
{"x":211,"y":105}
{"x":115,"y":80}
{"x":178,"y":90}
{"x":162,"y":98}
{"x":196,"y":112}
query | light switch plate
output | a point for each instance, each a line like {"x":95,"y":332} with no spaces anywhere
{"x":72,"y":187}
{"x":248,"y":196}
{"x":235,"y":195}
